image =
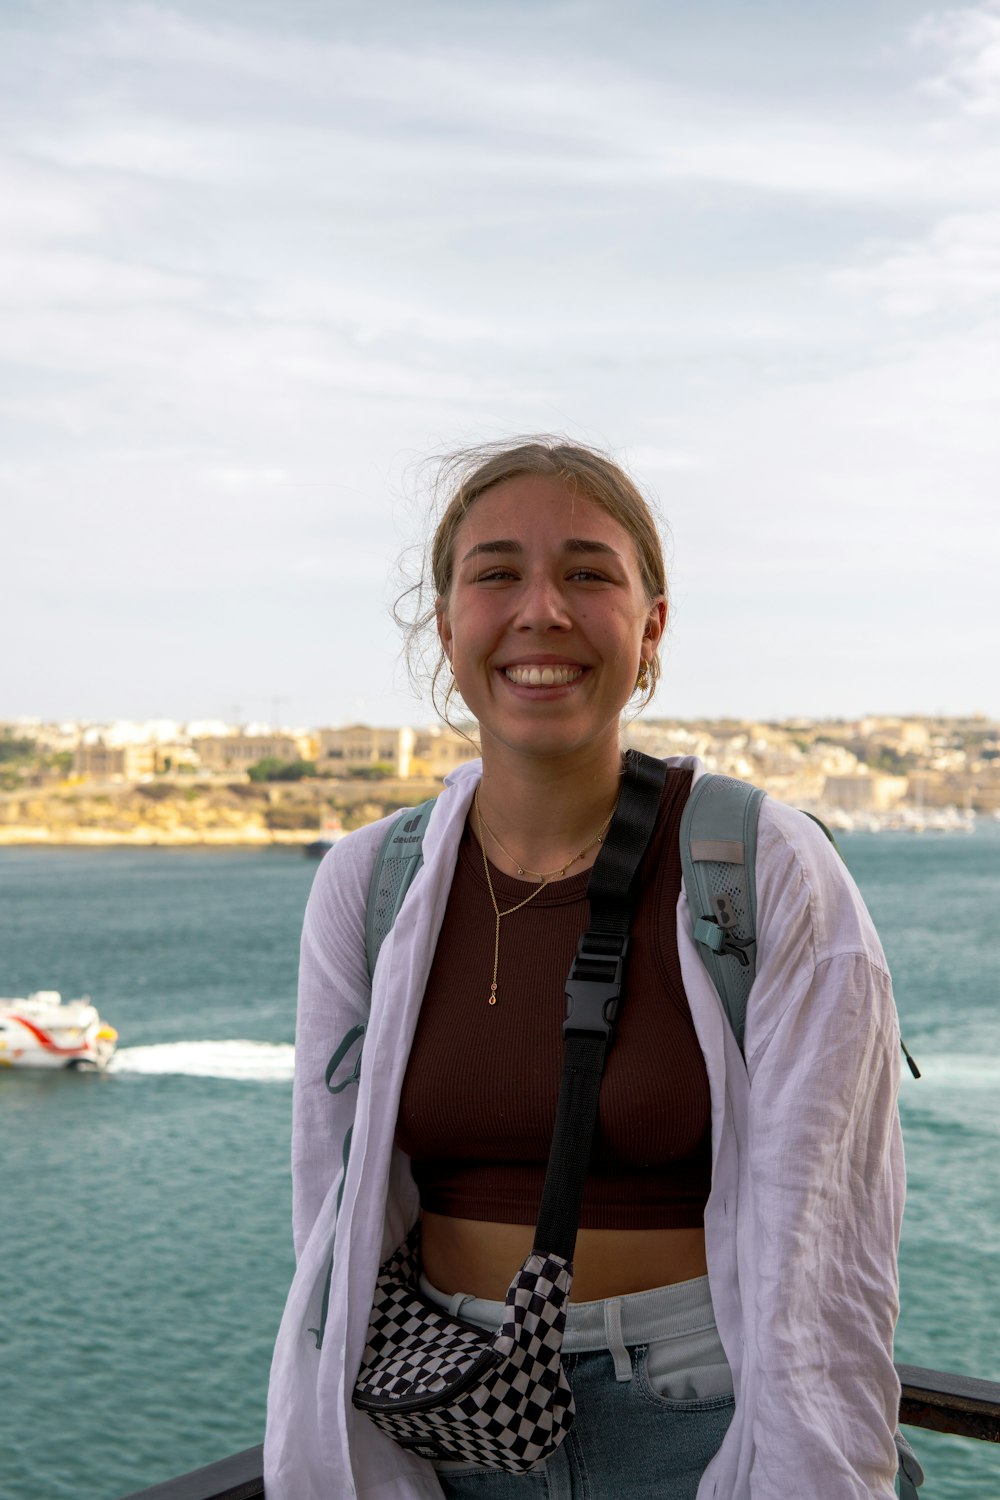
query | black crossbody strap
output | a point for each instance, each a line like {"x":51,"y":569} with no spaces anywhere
{"x":593,"y":1000}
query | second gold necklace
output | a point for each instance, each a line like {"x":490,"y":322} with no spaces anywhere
{"x":544,"y":879}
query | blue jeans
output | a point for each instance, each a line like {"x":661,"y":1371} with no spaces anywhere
{"x":653,"y":1396}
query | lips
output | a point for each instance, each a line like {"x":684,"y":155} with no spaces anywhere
{"x":542,"y":676}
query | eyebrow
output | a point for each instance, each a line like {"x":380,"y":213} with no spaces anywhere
{"x":507,"y":546}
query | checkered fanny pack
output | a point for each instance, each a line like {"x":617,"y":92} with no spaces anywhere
{"x":447,"y":1389}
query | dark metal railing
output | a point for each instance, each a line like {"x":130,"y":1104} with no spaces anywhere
{"x":932,"y":1399}
{"x":240,"y":1477}
{"x":950,"y":1403}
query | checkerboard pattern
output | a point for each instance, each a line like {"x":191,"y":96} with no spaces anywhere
{"x":447,"y":1389}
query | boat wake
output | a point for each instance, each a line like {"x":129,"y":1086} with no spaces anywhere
{"x":264,"y":1062}
{"x":957,"y":1089}
{"x":962,"y":1070}
{"x":270,"y":1062}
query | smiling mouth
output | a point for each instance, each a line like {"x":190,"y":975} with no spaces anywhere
{"x":542,"y":676}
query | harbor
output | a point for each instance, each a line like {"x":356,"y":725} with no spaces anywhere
{"x":148,"y":1207}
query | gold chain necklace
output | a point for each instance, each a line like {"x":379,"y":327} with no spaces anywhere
{"x":543,"y":880}
{"x":543,"y":874}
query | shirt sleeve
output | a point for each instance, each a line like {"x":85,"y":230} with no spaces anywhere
{"x":826,"y":1172}
{"x":334,"y":999}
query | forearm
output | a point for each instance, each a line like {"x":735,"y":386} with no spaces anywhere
{"x":826,"y":1165}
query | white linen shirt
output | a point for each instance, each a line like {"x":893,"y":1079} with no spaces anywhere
{"x":801,"y":1224}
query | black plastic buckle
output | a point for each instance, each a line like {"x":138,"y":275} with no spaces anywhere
{"x":594,"y":985}
{"x":736,"y":948}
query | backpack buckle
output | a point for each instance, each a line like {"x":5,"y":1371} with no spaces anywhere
{"x":710,"y":935}
{"x":737,"y":948}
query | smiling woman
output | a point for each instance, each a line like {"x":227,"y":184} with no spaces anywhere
{"x":576,"y":471}
{"x":547,"y":627}
{"x":721,"y":1320}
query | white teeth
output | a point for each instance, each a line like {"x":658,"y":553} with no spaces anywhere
{"x":542,"y":676}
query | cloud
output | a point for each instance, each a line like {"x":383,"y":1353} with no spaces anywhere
{"x":236,"y":479}
{"x":379,"y":123}
{"x":67,"y":278}
{"x":38,"y":205}
{"x":970,"y":40}
{"x":144,"y":145}
{"x":651,"y":458}
{"x":954,"y":268}
{"x":254,"y":259}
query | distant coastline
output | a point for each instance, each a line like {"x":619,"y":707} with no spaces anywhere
{"x":22,"y":836}
{"x":176,"y":814}
{"x":127,"y":785}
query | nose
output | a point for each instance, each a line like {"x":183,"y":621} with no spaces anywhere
{"x":541,"y":606}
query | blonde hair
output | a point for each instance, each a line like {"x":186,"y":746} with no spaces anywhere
{"x":464,"y":477}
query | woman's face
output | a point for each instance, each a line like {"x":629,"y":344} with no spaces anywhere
{"x":546,"y":620}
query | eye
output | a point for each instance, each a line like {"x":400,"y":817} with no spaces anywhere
{"x":496,"y":574}
{"x":588,"y":575}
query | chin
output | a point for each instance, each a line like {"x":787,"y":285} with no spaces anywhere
{"x":546,"y":742}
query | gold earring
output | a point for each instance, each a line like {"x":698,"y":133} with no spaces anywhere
{"x":642,"y":680}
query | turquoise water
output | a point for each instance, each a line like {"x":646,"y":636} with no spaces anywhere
{"x":145,"y":1217}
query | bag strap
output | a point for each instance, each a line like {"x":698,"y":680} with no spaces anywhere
{"x":718,"y":858}
{"x":398,"y":860}
{"x":594,"y":999}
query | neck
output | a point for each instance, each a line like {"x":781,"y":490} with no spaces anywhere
{"x":544,"y":810}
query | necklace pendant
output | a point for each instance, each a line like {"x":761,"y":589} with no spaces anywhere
{"x":493,"y":994}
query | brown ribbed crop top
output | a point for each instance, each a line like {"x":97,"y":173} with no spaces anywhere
{"x":479,"y":1097}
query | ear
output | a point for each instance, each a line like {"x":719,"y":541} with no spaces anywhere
{"x":443,"y":622}
{"x":656,"y":624}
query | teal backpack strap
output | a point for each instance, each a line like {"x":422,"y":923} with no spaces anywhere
{"x":398,"y":860}
{"x":718,"y":858}
{"x":909,"y":1471}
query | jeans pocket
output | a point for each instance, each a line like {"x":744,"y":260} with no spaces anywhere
{"x":472,"y":1481}
{"x":697,"y":1380}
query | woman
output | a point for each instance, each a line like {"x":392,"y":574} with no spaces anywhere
{"x":735,"y":1293}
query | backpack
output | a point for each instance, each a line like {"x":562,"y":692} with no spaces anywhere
{"x":718,"y":839}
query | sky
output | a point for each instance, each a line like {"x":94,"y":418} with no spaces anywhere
{"x":261,"y":262}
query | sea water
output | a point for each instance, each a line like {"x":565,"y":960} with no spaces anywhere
{"x":144,"y":1222}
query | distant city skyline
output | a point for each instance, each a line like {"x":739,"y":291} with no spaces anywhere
{"x":259,"y":262}
{"x":124,"y":730}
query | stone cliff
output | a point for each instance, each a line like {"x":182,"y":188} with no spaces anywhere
{"x":179,"y":812}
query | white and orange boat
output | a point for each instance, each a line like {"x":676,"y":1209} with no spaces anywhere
{"x":45,"y":1031}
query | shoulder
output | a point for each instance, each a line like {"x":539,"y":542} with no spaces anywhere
{"x":338,"y":901}
{"x":805,"y":894}
{"x":822,"y":988}
{"x":347,"y":867}
{"x":805,"y":891}
{"x":343,"y":879}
